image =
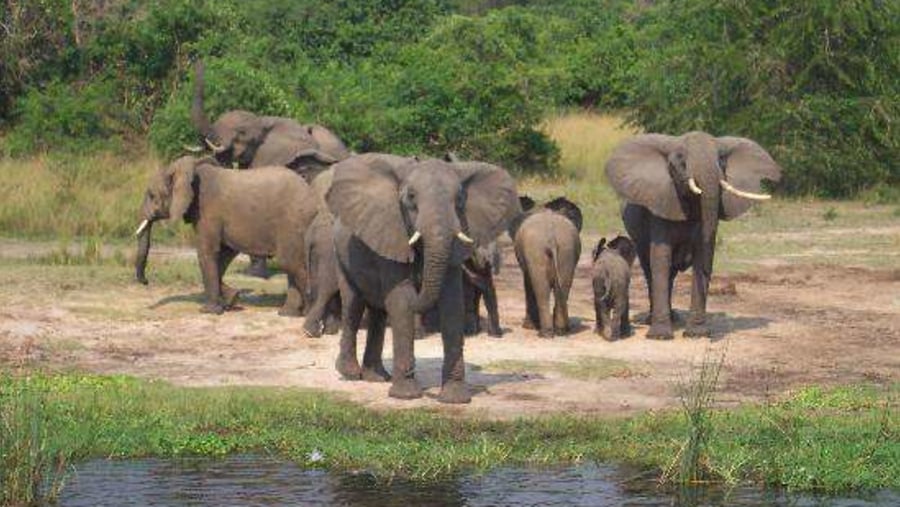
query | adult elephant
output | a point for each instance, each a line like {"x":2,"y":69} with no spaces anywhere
{"x":676,"y":189}
{"x":404,"y":228}
{"x":262,"y":212}
{"x":246,"y":140}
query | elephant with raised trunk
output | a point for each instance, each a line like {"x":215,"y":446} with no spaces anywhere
{"x":262,"y":212}
{"x":247,"y":140}
{"x":676,"y":189}
{"x":404,"y":228}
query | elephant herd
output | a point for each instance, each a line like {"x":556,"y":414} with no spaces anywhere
{"x":412,"y":241}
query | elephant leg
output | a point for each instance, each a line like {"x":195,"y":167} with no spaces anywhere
{"x":531,"y":314}
{"x":540,"y":295}
{"x":601,"y":308}
{"x":347,"y":363}
{"x":373,"y":366}
{"x":333,"y":315}
{"x":624,"y":318}
{"x":294,"y":303}
{"x":490,"y":304}
{"x":471,"y":299}
{"x":399,"y":303}
{"x":312,"y":325}
{"x":229,"y":294}
{"x":696,"y":325}
{"x":453,"y":373}
{"x":660,"y":266}
{"x":561,"y":303}
{"x":208,"y":256}
{"x":258,"y":267}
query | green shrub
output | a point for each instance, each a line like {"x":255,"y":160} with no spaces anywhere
{"x":62,"y":117}
{"x":814,"y":82}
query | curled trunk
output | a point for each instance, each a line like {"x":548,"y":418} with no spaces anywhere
{"x":198,"y":115}
{"x":437,"y":253}
{"x":143,"y":250}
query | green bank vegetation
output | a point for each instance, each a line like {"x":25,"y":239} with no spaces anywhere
{"x":814,"y":82}
{"x":816,"y":439}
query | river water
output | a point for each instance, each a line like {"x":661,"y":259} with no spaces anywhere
{"x":263,"y":481}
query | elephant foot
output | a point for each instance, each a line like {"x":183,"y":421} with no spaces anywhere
{"x":545,"y":333}
{"x":561,"y":331}
{"x":660,"y":332}
{"x":697,"y":331}
{"x":405,"y":389}
{"x":375,"y":374}
{"x":215,"y":309}
{"x":673,"y":316}
{"x":290,"y":312}
{"x":455,"y":391}
{"x":258,"y":269}
{"x":528,"y":324}
{"x":495,"y":333}
{"x":312,"y":329}
{"x":348,"y":367}
{"x":626,"y":331}
{"x":230,"y":297}
{"x":332,"y":325}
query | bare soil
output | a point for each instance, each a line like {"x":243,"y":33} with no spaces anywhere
{"x":778,"y":326}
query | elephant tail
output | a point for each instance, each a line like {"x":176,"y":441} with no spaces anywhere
{"x":554,"y":274}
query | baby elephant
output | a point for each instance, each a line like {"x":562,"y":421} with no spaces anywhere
{"x":547,"y":245}
{"x":611,"y":272}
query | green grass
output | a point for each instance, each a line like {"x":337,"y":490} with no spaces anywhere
{"x":818,"y":439}
{"x":580,"y":368}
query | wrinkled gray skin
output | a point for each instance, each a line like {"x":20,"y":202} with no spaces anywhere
{"x":611,"y":277}
{"x":325,"y":309}
{"x":547,"y":246}
{"x":478,"y":284}
{"x":262,"y":212}
{"x":380,"y":202}
{"x":246,"y":140}
{"x":672,"y":226}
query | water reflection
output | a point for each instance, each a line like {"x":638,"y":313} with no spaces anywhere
{"x":256,"y":480}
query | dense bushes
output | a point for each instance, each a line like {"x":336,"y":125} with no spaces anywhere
{"x":815,"y":82}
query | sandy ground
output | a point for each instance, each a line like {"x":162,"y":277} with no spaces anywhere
{"x":778,"y":327}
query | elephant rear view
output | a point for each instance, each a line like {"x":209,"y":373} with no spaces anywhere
{"x":548,"y":245}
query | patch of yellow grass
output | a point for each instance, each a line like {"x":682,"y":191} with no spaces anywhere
{"x":586,"y":141}
{"x":57,"y":196}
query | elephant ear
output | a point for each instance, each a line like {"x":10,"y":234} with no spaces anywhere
{"x":289,"y":144}
{"x":181,"y":173}
{"x":365,"y":196}
{"x":491,"y":199}
{"x":745,"y":165}
{"x":639,"y":172}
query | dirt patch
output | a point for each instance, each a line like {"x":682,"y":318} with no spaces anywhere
{"x":777,"y":328}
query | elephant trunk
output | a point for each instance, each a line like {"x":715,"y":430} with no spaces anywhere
{"x":710,"y":201}
{"x":198,"y":115}
{"x":143,"y":250}
{"x":437,"y":254}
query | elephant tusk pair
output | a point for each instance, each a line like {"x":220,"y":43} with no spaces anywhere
{"x":693,"y":186}
{"x":746,"y":195}
{"x":141,"y":227}
{"x":461,"y":235}
{"x":213,"y":146}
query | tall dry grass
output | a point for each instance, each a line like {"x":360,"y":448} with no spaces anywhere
{"x":53,"y":196}
{"x":586,"y":141}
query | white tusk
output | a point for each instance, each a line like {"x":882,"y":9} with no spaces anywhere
{"x":415,"y":237}
{"x":693,"y":186}
{"x":141,"y":227}
{"x":192,"y":149}
{"x":213,"y":146}
{"x":465,"y":239}
{"x":746,"y":195}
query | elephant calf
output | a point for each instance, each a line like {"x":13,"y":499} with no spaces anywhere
{"x":548,"y":246}
{"x":325,"y":312}
{"x":261,"y":212}
{"x":611,"y":273}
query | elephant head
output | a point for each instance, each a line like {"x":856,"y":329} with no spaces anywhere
{"x":170,"y":193}
{"x":249,"y":140}
{"x":568,"y":209}
{"x":398,"y":206}
{"x":694,"y":177}
{"x":620,"y":244}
